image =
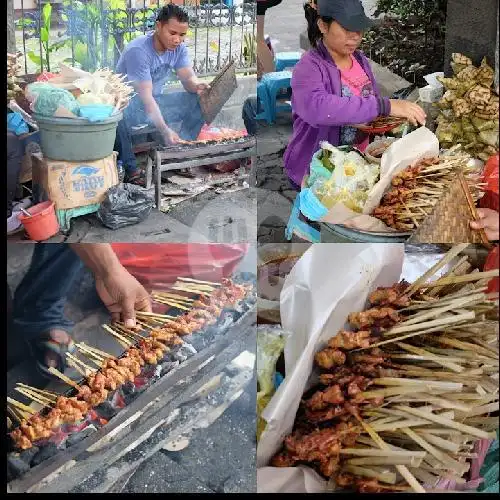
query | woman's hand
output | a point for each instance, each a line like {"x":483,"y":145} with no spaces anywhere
{"x":488,"y":220}
{"x":409,"y":110}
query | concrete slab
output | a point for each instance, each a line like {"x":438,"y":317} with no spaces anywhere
{"x":157,"y":228}
{"x":221,"y":218}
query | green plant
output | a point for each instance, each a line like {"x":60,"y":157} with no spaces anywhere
{"x":43,"y":59}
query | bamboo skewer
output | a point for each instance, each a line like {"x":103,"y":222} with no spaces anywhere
{"x":433,"y":270}
{"x":191,"y":290}
{"x":191,"y":280}
{"x":21,"y":406}
{"x":49,"y":394}
{"x":121,"y":340}
{"x":35,"y":397}
{"x":402,"y":469}
{"x":64,"y":378}
{"x":154,"y":315}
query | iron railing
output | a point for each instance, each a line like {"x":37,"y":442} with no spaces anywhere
{"x":92,"y":33}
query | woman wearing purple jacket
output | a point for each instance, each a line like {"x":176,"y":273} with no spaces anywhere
{"x":333,"y":87}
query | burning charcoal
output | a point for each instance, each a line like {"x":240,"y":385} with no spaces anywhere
{"x":27,"y":455}
{"x":47,"y":451}
{"x":79,"y":436}
{"x":128,"y":388}
{"x":105,"y":410}
{"x":16,"y":466}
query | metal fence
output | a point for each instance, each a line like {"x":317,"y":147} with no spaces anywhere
{"x":91,"y":34}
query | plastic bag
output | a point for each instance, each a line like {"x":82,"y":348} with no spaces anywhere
{"x":158,"y":265}
{"x":16,"y":124}
{"x":271,"y":342}
{"x":125,"y":205}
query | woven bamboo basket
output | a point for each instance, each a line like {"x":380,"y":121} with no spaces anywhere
{"x":449,"y":221}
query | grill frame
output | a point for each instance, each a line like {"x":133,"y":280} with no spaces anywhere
{"x":132,"y":426}
{"x":167,"y":159}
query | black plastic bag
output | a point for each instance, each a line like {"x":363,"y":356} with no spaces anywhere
{"x":125,"y":205}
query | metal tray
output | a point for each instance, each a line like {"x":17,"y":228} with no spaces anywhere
{"x":221,"y":89}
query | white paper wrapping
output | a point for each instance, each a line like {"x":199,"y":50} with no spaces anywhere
{"x":421,"y":143}
{"x":327,"y":283}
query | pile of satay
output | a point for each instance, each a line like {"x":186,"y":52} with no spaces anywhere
{"x":403,"y":398}
{"x":147,"y":344}
{"x":415,"y":191}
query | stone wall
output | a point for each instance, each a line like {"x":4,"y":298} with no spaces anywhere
{"x":471,"y":29}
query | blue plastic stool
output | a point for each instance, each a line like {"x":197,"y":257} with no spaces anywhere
{"x":285,"y":60}
{"x":64,"y":216}
{"x":274,"y":82}
{"x":263,"y":103}
{"x":300,"y":228}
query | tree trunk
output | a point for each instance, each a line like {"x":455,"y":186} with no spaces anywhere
{"x":11,"y":31}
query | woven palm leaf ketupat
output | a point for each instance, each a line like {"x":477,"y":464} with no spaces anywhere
{"x":449,"y":222}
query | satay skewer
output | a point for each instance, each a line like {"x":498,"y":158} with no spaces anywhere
{"x":154,"y":315}
{"x":79,"y":362}
{"x":171,"y":304}
{"x":104,"y":354}
{"x":49,"y":394}
{"x":36,"y":399}
{"x":190,"y":290}
{"x":17,"y":418}
{"x":192,"y":280}
{"x":175,"y":296}
{"x":21,"y":406}
{"x":81,"y":371}
{"x":64,"y":378}
{"x":22,"y":390}
{"x":121,"y":340}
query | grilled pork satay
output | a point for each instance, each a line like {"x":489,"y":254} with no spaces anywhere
{"x":132,"y":364}
{"x":166,"y":336}
{"x":383,"y":317}
{"x":20,"y":440}
{"x":84,"y":392}
{"x":135,"y":354}
{"x":322,"y":399}
{"x":123,"y":370}
{"x":350,"y":340}
{"x":390,"y":296}
{"x":328,"y":358}
{"x":98,"y":397}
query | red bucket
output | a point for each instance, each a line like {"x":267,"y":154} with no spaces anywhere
{"x":43,"y":223}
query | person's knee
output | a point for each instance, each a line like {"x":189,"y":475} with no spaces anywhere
{"x":249,"y":114}
{"x":14,"y":146}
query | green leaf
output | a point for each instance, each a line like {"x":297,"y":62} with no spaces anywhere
{"x":47,"y":13}
{"x":44,"y":35}
{"x":33,"y":57}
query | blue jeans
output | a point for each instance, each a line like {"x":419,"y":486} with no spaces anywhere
{"x":181,"y":112}
{"x":249,"y":114}
{"x":41,"y":296}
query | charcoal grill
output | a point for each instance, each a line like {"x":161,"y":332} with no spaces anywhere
{"x":155,"y":417}
{"x":196,"y":154}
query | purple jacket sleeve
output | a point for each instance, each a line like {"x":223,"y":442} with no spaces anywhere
{"x":316,"y":106}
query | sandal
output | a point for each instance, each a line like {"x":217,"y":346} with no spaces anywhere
{"x":46,"y":345}
{"x":136,"y":178}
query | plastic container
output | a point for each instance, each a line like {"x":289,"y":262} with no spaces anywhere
{"x":341,"y":234}
{"x":43,"y":223}
{"x":96,"y":112}
{"x":77,"y":139}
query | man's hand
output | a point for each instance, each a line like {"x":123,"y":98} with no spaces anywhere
{"x":201,"y":87}
{"x":488,"y":220}
{"x":170,"y":137}
{"x":122,"y":294}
